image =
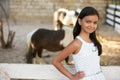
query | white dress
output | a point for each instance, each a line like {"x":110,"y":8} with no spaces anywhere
{"x":87,"y":60}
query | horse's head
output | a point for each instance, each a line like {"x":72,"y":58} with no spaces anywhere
{"x":65,"y":17}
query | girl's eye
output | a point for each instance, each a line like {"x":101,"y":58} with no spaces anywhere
{"x":95,"y":22}
{"x":88,"y":21}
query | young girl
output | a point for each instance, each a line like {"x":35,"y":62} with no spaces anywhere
{"x":85,"y":49}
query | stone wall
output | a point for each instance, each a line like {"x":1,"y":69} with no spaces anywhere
{"x":42,"y":10}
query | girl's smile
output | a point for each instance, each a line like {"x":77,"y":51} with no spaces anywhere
{"x":89,"y":23}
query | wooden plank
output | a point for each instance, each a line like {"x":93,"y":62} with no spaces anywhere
{"x":111,"y":72}
{"x":110,"y":11}
{"x":118,"y":7}
{"x":112,"y":5}
{"x":33,"y":71}
{"x":109,"y":22}
{"x":117,"y":20}
{"x":110,"y":16}
{"x":49,"y":72}
{"x":117,"y":13}
{"x":117,"y":27}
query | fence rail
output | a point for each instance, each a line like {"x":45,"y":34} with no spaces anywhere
{"x":47,"y":72}
{"x":113,"y":16}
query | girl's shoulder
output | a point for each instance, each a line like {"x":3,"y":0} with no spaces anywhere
{"x":74,"y":45}
{"x":77,"y":44}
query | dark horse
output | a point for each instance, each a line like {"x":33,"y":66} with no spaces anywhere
{"x":50,"y":40}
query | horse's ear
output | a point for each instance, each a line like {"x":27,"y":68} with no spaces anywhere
{"x":64,"y":13}
{"x":77,"y":11}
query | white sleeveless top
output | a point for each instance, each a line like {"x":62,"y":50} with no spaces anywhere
{"x":87,"y":58}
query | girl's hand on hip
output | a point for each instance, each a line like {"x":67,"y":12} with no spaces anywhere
{"x":79,"y":75}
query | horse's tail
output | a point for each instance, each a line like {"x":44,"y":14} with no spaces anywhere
{"x":30,"y":54}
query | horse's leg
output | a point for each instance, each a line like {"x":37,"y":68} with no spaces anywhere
{"x":30,"y":54}
{"x":38,"y":60}
{"x":39,"y":57}
{"x":67,"y":60}
{"x":34,"y":61}
{"x":34,"y":52}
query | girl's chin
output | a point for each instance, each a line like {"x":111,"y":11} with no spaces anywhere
{"x":90,"y":32}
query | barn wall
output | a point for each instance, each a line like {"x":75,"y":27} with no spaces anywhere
{"x":42,"y":10}
{"x":4,"y":8}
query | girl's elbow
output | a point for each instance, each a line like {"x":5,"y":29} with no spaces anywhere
{"x":54,"y":61}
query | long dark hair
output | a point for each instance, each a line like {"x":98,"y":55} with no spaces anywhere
{"x":77,"y":29}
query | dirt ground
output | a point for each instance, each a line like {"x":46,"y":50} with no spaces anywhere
{"x":17,"y":53}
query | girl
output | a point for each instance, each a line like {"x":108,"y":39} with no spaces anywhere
{"x":85,"y":48}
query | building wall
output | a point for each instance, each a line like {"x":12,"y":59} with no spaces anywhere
{"x":42,"y":10}
{"x":4,"y":6}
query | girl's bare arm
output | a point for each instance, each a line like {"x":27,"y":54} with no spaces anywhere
{"x":73,"y":47}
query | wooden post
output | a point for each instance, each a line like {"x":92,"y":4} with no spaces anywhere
{"x":11,"y":34}
{"x":2,"y":35}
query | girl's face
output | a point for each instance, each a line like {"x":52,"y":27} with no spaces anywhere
{"x":89,"y":23}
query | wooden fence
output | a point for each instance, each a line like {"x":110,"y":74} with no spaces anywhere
{"x":47,"y":72}
{"x":113,"y":16}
